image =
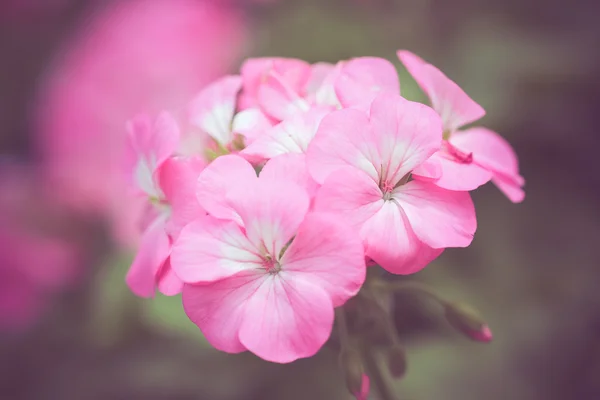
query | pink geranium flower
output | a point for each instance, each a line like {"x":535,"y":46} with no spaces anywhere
{"x":263,"y":273}
{"x":364,"y":162}
{"x":468,"y":158}
{"x":166,"y":185}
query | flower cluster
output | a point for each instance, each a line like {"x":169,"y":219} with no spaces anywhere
{"x":269,"y":200}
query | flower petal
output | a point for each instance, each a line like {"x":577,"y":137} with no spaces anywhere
{"x":218,"y":308}
{"x":212,"y":110}
{"x":168,"y":282}
{"x":210,"y":249}
{"x":494,"y":153}
{"x":295,"y":74}
{"x":290,"y":167}
{"x":452,"y":174}
{"x":178,"y":177}
{"x":154,"y":249}
{"x":351,"y":194}
{"x":454,"y":106}
{"x":216,"y":180}
{"x":150,"y":144}
{"x":251,"y":123}
{"x":286,"y":319}
{"x":289,"y":136}
{"x":279,"y":99}
{"x":390,"y":241}
{"x":328,"y":253}
{"x":361,"y":79}
{"x":406,"y":133}
{"x":271,"y":211}
{"x":439,"y":217}
{"x":344,"y":138}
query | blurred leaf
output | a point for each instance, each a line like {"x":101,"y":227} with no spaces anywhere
{"x":112,"y":303}
{"x":166,"y":314}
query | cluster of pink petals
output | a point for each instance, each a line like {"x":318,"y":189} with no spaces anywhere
{"x":265,"y":207}
{"x":33,"y":264}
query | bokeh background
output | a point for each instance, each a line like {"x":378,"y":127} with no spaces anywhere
{"x":71,"y":72}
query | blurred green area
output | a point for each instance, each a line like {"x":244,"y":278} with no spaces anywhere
{"x":532,"y":269}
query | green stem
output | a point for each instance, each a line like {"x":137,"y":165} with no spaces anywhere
{"x":411,"y":286}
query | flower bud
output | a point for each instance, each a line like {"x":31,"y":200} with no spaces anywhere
{"x":352,"y":366}
{"x":396,"y":361}
{"x":466,"y":320}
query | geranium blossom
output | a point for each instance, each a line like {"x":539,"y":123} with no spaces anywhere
{"x":467,"y":158}
{"x":266,"y":279}
{"x":161,"y":181}
{"x":364,"y":162}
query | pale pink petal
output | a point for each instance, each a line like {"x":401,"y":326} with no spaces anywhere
{"x":150,"y":144}
{"x":344,"y":138}
{"x":319,"y":72}
{"x":271,"y":211}
{"x":251,"y":123}
{"x":327,"y":252}
{"x":361,"y":79}
{"x":295,"y":73}
{"x":452,"y":174}
{"x":178,"y":179}
{"x":390,"y":241}
{"x":494,"y":153}
{"x":351,"y":194}
{"x":286,"y":319}
{"x":168,"y":282}
{"x":289,"y":136}
{"x":406,"y":133}
{"x":454,"y":106}
{"x":212,"y":110}
{"x":218,"y":308}
{"x":154,"y":249}
{"x":217,"y":179}
{"x":210,"y":249}
{"x":320,"y":89}
{"x":279,"y":99}
{"x":290,"y":167}
{"x":439,"y":217}
{"x":510,"y":188}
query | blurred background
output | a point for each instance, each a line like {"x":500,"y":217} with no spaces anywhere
{"x":71,"y":73}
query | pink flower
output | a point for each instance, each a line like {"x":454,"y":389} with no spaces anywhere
{"x":129,"y":57}
{"x":213,"y":112}
{"x":468,"y":158}
{"x":263,"y":273}
{"x":167,"y":186}
{"x":364,"y":164}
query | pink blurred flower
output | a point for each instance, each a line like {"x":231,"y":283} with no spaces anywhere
{"x":363,"y":162}
{"x":140,"y":55}
{"x":363,"y":394}
{"x":33,"y":264}
{"x":263,"y":273}
{"x":467,"y":158}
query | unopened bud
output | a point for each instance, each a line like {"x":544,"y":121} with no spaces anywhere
{"x":397,"y":361}
{"x":352,"y":366}
{"x":466,"y":320}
